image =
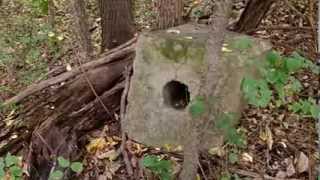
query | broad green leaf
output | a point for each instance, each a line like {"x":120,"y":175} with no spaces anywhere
{"x":235,"y":138}
{"x":273,"y":58}
{"x":197,"y":107}
{"x":293,"y":64}
{"x":77,"y":167}
{"x":56,"y":175}
{"x":160,"y":167}
{"x":63,"y":162}
{"x":305,"y":107}
{"x":315,"y":111}
{"x":11,"y":160}
{"x":313,"y":67}
{"x":15,"y":171}
{"x":257,"y":92}
{"x":149,"y":161}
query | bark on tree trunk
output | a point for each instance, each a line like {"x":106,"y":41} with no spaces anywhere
{"x":82,"y":27}
{"x":116,"y":22}
{"x":168,"y":13}
{"x":253,"y":14}
{"x":51,"y":13}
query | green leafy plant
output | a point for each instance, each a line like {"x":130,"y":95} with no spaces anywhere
{"x":226,"y":123}
{"x":257,"y":92}
{"x":40,"y":6}
{"x":276,"y":74}
{"x":197,"y":107}
{"x":306,"y":108}
{"x":63,"y":163}
{"x":160,"y":167}
{"x":10,"y":165}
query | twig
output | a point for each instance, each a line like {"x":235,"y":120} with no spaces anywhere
{"x":122,"y":116}
{"x":67,"y":75}
{"x":202,"y":171}
{"x":131,"y":41}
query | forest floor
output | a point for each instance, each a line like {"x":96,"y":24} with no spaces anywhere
{"x":26,"y":57}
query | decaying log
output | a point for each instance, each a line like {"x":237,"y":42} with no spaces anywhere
{"x":76,"y":112}
{"x":55,"y":123}
{"x":68,"y":75}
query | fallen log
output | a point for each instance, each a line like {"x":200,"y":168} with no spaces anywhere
{"x":56,"y":121}
{"x":110,"y":57}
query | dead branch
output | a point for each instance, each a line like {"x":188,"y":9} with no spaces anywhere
{"x":68,"y":75}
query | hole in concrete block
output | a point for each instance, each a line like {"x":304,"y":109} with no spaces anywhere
{"x":176,"y":95}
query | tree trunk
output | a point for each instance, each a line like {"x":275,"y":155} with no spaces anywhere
{"x":168,"y":13}
{"x":253,"y":14}
{"x":51,"y":13}
{"x":82,"y":27}
{"x":116,"y":22}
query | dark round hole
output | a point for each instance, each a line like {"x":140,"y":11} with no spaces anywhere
{"x":176,"y":95}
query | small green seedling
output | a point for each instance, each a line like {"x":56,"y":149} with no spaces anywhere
{"x":63,"y":163}
{"x":10,"y":167}
{"x":160,"y":167}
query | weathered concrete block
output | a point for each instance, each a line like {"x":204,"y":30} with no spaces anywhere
{"x":168,"y":71}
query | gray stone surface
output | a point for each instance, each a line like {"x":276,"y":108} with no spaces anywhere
{"x":179,"y":55}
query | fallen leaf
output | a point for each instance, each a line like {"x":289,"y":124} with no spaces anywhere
{"x":68,"y":67}
{"x":96,"y":145}
{"x":247,"y":157}
{"x":224,"y":49}
{"x":290,"y":167}
{"x":219,"y":151}
{"x":281,"y":175}
{"x":302,"y":163}
{"x":111,"y":155}
{"x":269,"y":138}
